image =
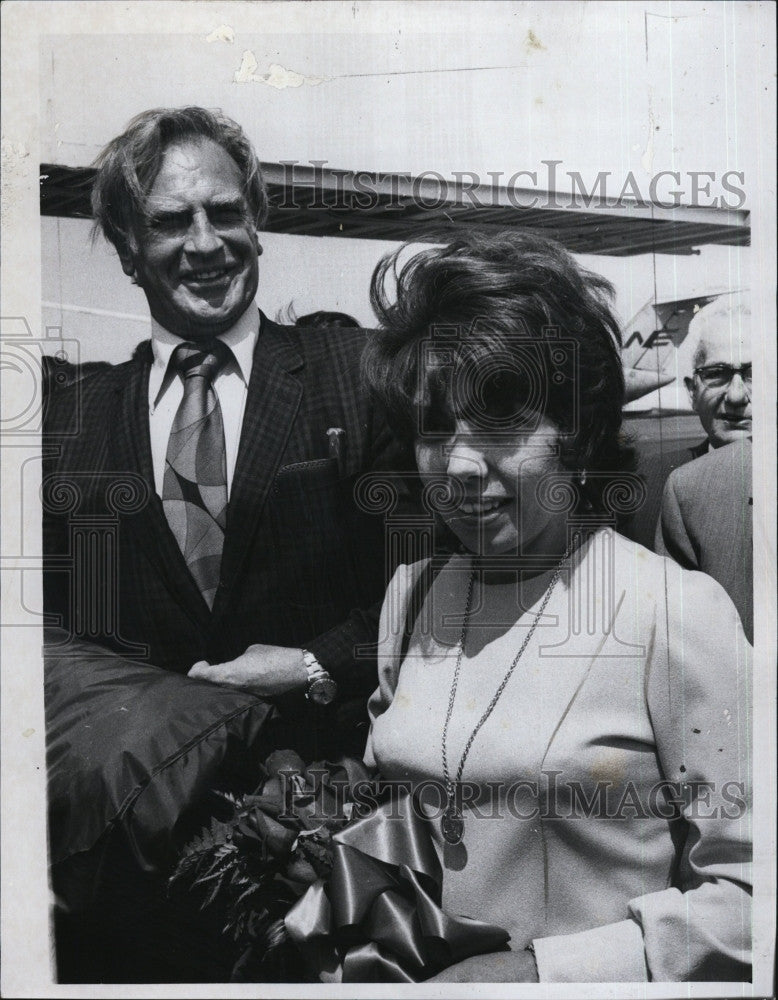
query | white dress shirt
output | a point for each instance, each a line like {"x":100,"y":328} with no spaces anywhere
{"x":166,"y":389}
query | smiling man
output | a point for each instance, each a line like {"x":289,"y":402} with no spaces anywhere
{"x":249,"y":536}
{"x":196,"y":253}
{"x":212,"y":533}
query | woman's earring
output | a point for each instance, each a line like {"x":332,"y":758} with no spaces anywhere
{"x":581,"y":484}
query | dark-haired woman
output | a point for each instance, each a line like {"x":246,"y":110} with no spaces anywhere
{"x":575,"y":707}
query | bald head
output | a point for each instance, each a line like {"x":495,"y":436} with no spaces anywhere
{"x":720,"y":388}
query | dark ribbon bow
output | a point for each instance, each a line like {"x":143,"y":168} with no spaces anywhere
{"x":379,"y":917}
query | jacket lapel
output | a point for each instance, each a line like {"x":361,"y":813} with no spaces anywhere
{"x":272,"y":403}
{"x":130,"y":448}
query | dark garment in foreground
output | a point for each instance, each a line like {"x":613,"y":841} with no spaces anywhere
{"x":707,"y":522}
{"x":132,"y":753}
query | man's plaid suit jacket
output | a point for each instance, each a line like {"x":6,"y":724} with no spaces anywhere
{"x":300,"y":558}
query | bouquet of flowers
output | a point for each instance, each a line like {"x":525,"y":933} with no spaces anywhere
{"x":259,"y":853}
{"x":313,"y":877}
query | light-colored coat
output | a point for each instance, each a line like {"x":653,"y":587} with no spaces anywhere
{"x":707,"y":522}
{"x":639,"y":674}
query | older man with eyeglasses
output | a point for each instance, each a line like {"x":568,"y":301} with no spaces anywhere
{"x":706,"y":518}
{"x":720,"y":387}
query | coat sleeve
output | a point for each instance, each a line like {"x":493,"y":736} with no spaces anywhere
{"x":698,"y":693}
{"x":346,"y":651}
{"x":672,"y":538}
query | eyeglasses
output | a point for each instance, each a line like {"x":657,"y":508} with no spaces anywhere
{"x":719,"y":376}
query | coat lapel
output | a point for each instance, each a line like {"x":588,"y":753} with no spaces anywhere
{"x":130,"y":447}
{"x":272,"y":403}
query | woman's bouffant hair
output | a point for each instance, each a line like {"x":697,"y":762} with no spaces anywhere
{"x":129,"y":164}
{"x":500,"y":330}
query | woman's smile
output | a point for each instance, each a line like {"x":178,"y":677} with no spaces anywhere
{"x":484,"y":510}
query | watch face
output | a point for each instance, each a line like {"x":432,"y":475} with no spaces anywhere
{"x":322,"y":690}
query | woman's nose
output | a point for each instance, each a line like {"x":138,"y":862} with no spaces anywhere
{"x":464,"y":459}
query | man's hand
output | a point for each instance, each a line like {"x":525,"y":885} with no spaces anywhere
{"x":497,"y":967}
{"x":263,"y":670}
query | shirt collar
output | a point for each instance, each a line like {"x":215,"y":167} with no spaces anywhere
{"x":240,"y":338}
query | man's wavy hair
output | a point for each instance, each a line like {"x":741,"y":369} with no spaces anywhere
{"x":500,"y":330}
{"x":129,"y":164}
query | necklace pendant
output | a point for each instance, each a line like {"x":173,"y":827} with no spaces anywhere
{"x":452,"y":825}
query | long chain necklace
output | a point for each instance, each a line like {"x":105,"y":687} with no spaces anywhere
{"x":452,"y":824}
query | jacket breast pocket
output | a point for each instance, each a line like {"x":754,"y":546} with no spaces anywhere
{"x":309,"y":516}
{"x":306,"y":484}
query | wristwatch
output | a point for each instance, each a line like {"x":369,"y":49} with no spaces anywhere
{"x":321,"y":687}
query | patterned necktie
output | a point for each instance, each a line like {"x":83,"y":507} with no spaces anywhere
{"x":194,"y":490}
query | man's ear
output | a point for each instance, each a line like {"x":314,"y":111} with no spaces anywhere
{"x":689,"y":383}
{"x":260,"y":248}
{"x":128,"y":265}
